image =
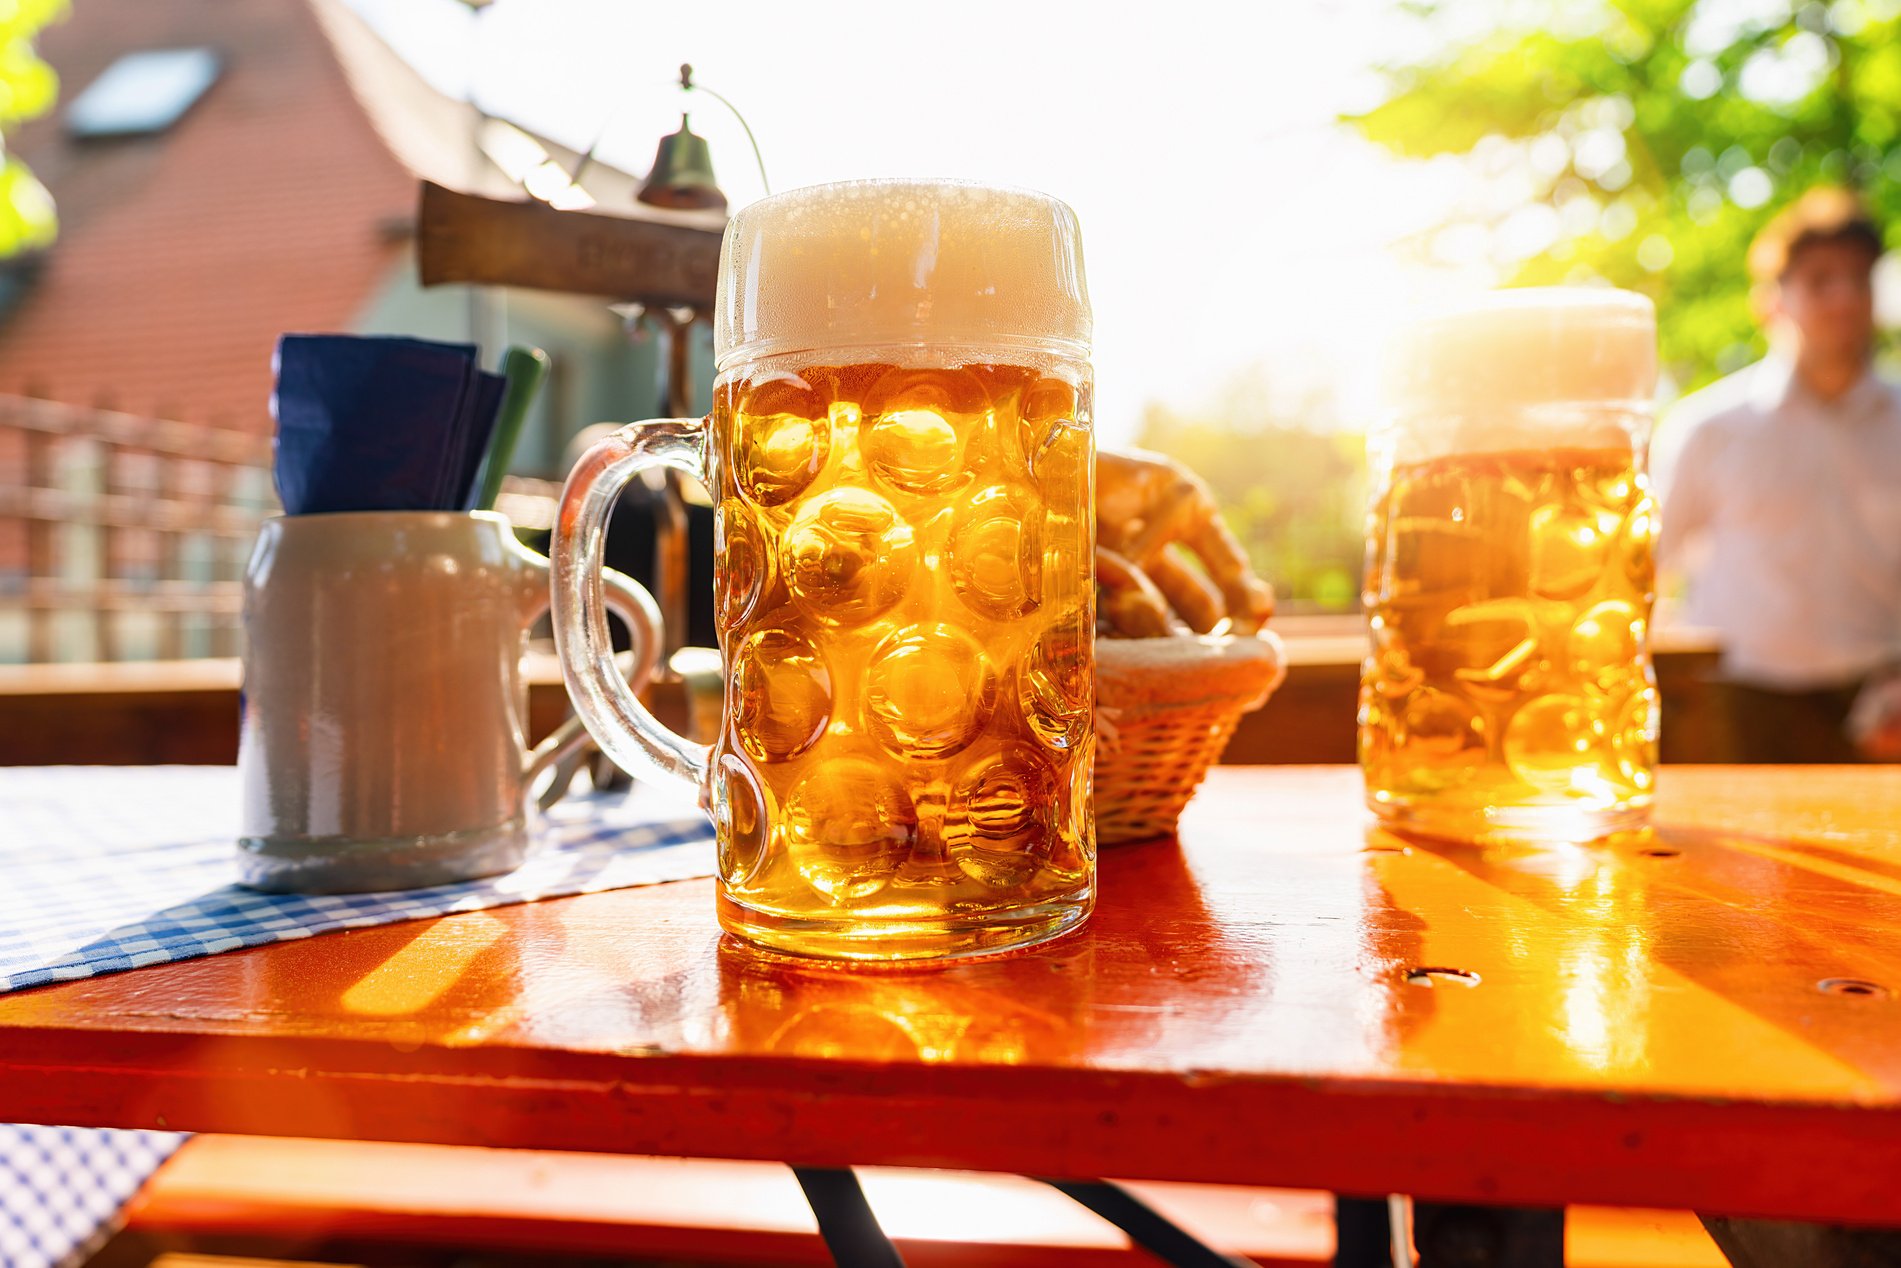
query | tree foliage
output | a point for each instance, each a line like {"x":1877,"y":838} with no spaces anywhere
{"x":27,"y":89}
{"x":1293,"y":494}
{"x":1644,"y":142}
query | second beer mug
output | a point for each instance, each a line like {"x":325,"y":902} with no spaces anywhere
{"x":902,"y":463}
{"x":1509,"y":694}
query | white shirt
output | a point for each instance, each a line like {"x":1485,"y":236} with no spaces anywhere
{"x":1785,"y":511}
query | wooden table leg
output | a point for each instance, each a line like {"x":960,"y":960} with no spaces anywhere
{"x":845,"y":1219}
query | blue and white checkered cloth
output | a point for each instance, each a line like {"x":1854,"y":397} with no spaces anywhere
{"x":61,"y":1188}
{"x":104,"y":869}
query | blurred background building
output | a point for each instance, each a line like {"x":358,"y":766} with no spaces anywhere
{"x":1253,"y":226}
{"x":222,"y":174}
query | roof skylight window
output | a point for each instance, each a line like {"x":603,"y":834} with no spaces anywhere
{"x":143,"y":92}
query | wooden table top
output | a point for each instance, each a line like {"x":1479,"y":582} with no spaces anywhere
{"x":1702,"y":1017}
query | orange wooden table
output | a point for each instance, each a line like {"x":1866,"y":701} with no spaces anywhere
{"x":1701,"y":1018}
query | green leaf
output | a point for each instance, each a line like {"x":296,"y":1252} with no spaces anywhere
{"x":28,"y":88}
{"x":27,"y":84}
{"x":27,"y":222}
{"x":1521,"y":82}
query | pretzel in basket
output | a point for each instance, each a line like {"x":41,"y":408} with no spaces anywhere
{"x":1147,"y":508}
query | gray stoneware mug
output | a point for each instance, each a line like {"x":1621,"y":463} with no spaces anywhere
{"x":383,"y":740}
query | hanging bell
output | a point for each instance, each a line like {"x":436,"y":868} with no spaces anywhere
{"x":682,"y":174}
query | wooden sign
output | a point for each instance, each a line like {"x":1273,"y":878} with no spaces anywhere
{"x":466,"y":238}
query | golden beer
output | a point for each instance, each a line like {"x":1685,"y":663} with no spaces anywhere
{"x":906,"y":605}
{"x":903,"y":471}
{"x":1509,"y":596}
{"x":1508,"y":693}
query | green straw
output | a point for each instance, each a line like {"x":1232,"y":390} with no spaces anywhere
{"x":524,"y":369}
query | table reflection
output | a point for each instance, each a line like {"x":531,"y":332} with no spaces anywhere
{"x":1173,"y":962}
{"x":1030,"y":1007}
{"x":1632,"y":952}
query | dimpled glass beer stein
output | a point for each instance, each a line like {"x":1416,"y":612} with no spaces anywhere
{"x":1508,"y":694}
{"x":902,"y":465}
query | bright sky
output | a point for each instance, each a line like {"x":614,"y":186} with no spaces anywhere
{"x":1230,"y":229}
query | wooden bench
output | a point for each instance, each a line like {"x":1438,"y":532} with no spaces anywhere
{"x":337,"y":1199}
{"x":186,"y":711}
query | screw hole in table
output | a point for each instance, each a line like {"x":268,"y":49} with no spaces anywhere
{"x":1853,"y":987}
{"x":1432,"y":975}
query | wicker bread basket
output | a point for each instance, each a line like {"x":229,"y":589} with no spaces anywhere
{"x":1165,"y":708}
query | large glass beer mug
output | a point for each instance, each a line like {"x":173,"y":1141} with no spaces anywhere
{"x":1508,"y":695}
{"x":901,"y":458}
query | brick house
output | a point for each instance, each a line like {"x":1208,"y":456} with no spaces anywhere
{"x":227,"y":172}
{"x":281,"y":199}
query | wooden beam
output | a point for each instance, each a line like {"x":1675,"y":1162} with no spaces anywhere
{"x":165,"y":712}
{"x":100,"y":713}
{"x":465,"y":238}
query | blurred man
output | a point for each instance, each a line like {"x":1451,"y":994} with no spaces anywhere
{"x":1781,"y":501}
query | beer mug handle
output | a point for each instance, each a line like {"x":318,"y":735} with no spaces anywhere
{"x":625,"y":598}
{"x":631,"y":736}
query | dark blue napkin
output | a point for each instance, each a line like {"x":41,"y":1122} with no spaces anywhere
{"x":484,"y":407}
{"x":379,"y":423}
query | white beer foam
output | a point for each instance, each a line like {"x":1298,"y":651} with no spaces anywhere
{"x":1525,"y":368}
{"x":886,"y":263}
